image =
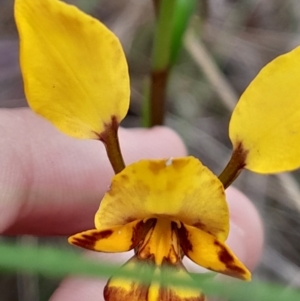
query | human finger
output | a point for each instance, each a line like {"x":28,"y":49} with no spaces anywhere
{"x":52,"y":184}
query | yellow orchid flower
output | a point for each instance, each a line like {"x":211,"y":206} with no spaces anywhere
{"x":164,"y":209}
{"x":75,"y":75}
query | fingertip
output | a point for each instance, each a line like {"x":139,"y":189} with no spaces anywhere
{"x":91,"y":289}
{"x":157,"y":142}
{"x":246,"y":235}
{"x":78,"y":289}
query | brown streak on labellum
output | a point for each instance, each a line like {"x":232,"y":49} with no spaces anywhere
{"x":120,"y":294}
{"x":228,"y":260}
{"x":167,"y":294}
{"x":88,"y":241}
{"x":184,"y":240}
{"x":136,"y":292}
{"x":141,"y":250}
{"x":140,"y":231}
{"x":173,"y":257}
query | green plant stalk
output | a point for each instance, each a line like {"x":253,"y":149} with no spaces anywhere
{"x":111,"y":141}
{"x":172,"y":20}
{"x":183,"y":12}
{"x":160,"y":61}
{"x":163,"y":35}
{"x":234,"y":167}
{"x":58,"y":263}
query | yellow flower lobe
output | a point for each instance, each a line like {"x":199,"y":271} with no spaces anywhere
{"x":266,"y":121}
{"x":74,"y":69}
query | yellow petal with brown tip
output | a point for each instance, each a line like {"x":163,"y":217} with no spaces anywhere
{"x":210,"y":253}
{"x":74,"y":69}
{"x":115,"y":239}
{"x":265,"y":124}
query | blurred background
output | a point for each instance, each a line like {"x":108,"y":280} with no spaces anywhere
{"x":227,"y":43}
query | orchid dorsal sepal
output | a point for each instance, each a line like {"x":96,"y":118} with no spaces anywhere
{"x":266,"y":120}
{"x":74,"y":69}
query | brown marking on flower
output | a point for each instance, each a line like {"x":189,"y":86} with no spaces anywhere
{"x":172,"y":256}
{"x":228,"y":260}
{"x":129,"y":220}
{"x":156,"y":166}
{"x":184,"y":241}
{"x":200,"y":226}
{"x":143,"y":249}
{"x":112,"y":192}
{"x":140,"y":231}
{"x":124,"y":177}
{"x":167,"y":294}
{"x":89,"y":239}
{"x":179,"y":164}
{"x":136,"y":293}
{"x":240,"y":153}
{"x":112,"y":125}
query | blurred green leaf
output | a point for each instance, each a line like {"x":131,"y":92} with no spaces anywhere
{"x":182,"y":14}
{"x":58,"y":263}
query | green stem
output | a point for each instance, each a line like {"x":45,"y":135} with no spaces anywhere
{"x":234,"y":166}
{"x":155,"y":102}
{"x":172,"y":20}
{"x":163,"y":35}
{"x":183,"y":12}
{"x":110,"y":139}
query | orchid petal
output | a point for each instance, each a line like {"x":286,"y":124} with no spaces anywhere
{"x":265,"y":124}
{"x":115,"y":239}
{"x":211,"y":253}
{"x":74,"y":69}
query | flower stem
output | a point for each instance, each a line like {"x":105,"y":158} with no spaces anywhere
{"x":111,"y":141}
{"x":161,"y":60}
{"x":172,"y":20}
{"x":234,"y":167}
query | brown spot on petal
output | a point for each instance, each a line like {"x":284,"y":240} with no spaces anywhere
{"x":126,"y":289}
{"x":88,"y":240}
{"x":201,"y":226}
{"x":179,"y":164}
{"x":185,"y":243}
{"x":124,"y":177}
{"x":156,"y":166}
{"x":114,"y":293}
{"x":166,"y":294}
{"x":228,"y":260}
{"x":140,"y":231}
{"x":170,"y":293}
